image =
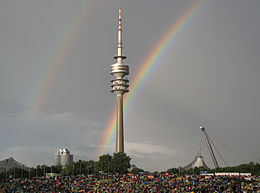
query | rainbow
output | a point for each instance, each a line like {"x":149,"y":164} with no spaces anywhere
{"x":44,"y":84}
{"x":149,"y":62}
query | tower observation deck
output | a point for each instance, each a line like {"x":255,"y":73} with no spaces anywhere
{"x":119,"y":86}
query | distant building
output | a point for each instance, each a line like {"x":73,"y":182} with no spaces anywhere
{"x":11,"y":163}
{"x":197,"y":162}
{"x":63,"y":157}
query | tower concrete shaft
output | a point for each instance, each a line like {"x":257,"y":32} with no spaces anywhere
{"x":120,"y":124}
{"x":119,"y":86}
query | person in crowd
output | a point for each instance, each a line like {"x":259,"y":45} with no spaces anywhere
{"x":131,"y":183}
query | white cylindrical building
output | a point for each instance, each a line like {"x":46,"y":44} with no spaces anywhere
{"x":57,"y":159}
{"x":66,"y":159}
{"x":63,"y":157}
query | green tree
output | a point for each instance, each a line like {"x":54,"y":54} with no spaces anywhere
{"x":56,"y":168}
{"x":156,"y":173}
{"x":90,"y":167}
{"x":121,"y":163}
{"x":37,"y":172}
{"x":68,"y":170}
{"x":105,"y":163}
{"x":135,"y":170}
{"x":78,"y":167}
{"x":173,"y":171}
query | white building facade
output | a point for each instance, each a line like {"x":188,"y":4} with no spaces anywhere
{"x":63,"y":157}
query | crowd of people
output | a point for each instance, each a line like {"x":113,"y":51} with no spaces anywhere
{"x":132,"y":183}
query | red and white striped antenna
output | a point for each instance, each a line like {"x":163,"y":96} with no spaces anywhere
{"x":119,"y":19}
{"x":119,"y":55}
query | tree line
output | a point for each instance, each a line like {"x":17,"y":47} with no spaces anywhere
{"x":118,"y":163}
{"x":251,"y":167}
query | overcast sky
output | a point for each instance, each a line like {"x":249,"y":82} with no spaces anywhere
{"x":208,"y":76}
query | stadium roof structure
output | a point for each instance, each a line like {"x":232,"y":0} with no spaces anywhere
{"x":197,"y":162}
{"x":9,"y":163}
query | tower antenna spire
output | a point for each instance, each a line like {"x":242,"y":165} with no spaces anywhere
{"x":119,"y":56}
{"x":119,"y":18}
{"x":119,"y":86}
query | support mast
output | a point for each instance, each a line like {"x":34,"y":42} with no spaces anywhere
{"x":210,"y":148}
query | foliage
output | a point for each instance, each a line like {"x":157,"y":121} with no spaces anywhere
{"x":121,"y":163}
{"x":156,"y":173}
{"x":173,"y":171}
{"x":118,"y":163}
{"x":107,"y":164}
{"x":38,"y":171}
{"x":253,"y":168}
{"x":14,"y":172}
{"x":80,"y":167}
{"x":135,"y":170}
{"x":104,"y":163}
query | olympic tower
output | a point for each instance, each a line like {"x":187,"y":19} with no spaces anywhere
{"x":119,"y":86}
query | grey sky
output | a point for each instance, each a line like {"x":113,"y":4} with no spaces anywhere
{"x":209,"y":75}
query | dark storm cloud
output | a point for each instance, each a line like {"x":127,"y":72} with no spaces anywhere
{"x":209,"y":75}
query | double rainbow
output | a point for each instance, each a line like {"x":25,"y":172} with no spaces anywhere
{"x":149,"y":62}
{"x":43,"y":86}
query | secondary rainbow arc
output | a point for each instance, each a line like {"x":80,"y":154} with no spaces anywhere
{"x":47,"y":77}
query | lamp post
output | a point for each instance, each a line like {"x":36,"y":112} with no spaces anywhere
{"x":73,"y":168}
{"x":6,"y":169}
{"x":5,"y":173}
{"x":22,"y":171}
{"x":80,"y":167}
{"x":107,"y":168}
